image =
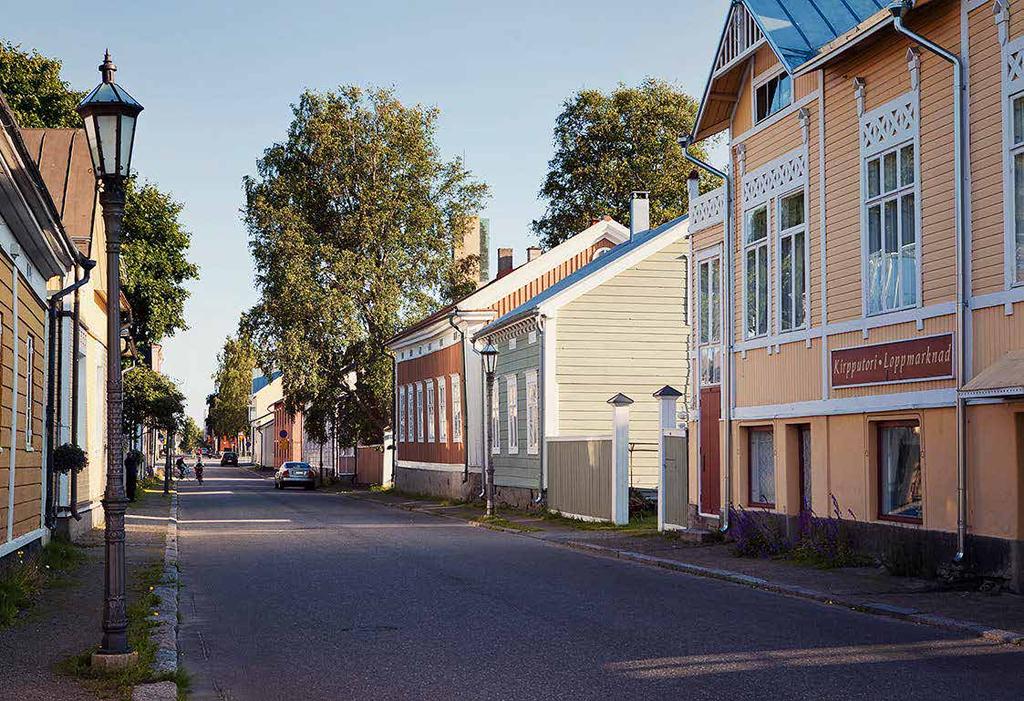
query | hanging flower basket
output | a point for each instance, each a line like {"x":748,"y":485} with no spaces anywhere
{"x":69,"y":458}
{"x":134,"y":457}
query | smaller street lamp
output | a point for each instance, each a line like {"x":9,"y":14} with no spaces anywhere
{"x":490,"y":356}
{"x":110,"y":115}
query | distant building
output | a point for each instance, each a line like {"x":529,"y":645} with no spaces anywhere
{"x":475,"y":242}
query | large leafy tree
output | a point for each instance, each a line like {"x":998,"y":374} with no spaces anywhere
{"x":151,"y":400}
{"x":352,"y":220}
{"x":607,"y":146}
{"x":155,"y":266}
{"x":229,"y":414}
{"x":34,"y":89}
{"x":191,"y":435}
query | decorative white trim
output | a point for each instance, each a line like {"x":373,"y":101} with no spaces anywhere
{"x":432,"y":466}
{"x":822,"y":252}
{"x":859,"y":84}
{"x":21,"y":541}
{"x":1012,"y":86}
{"x":707,"y":210}
{"x":1001,"y":13}
{"x":783,"y":174}
{"x":741,"y":157}
{"x":889,"y":125}
{"x":803,"y":115}
{"x":914,"y":67}
{"x":594,"y":437}
{"x":897,"y":401}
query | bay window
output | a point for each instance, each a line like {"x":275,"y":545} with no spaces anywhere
{"x":891,"y":222}
{"x":755,"y":272}
{"x":792,"y":262}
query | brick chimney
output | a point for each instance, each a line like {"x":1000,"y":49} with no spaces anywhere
{"x":504,"y":261}
{"x":533,"y":253}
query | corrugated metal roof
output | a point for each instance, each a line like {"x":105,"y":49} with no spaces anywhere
{"x":798,"y":29}
{"x":590,"y":268}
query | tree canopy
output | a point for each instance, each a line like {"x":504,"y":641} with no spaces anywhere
{"x":609,"y":145}
{"x":151,"y":400}
{"x":352,"y":219}
{"x":34,"y":89}
{"x":191,"y":435}
{"x":229,"y":414}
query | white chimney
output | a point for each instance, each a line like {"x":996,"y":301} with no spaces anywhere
{"x":639,"y":212}
{"x":693,"y":186}
{"x":533,"y":253}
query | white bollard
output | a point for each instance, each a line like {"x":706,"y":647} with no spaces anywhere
{"x":667,"y":397}
{"x":620,"y":458}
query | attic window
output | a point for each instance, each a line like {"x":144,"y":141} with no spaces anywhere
{"x":772,"y":95}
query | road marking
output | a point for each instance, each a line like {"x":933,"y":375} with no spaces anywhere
{"x":238,"y":520}
{"x":147,"y":518}
{"x":208,"y":494}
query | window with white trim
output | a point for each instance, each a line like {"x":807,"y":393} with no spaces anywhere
{"x":709,"y":321}
{"x":532,"y":413}
{"x":401,"y":414}
{"x":792,"y":262}
{"x":410,"y":415}
{"x":456,"y":408}
{"x":495,"y":420}
{"x":30,"y":389}
{"x":890,"y":209}
{"x":430,"y":410}
{"x":1017,"y":178}
{"x":755,"y":272}
{"x":419,"y":412}
{"x":772,"y":95}
{"x":442,"y":411}
{"x":512,"y":413}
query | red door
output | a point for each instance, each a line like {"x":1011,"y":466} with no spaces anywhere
{"x":710,"y":450}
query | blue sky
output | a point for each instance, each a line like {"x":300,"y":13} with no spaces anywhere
{"x":217,"y":79}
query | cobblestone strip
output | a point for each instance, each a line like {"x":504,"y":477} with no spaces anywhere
{"x":166,"y":633}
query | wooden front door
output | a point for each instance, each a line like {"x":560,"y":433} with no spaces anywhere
{"x":805,"y":467}
{"x":710,"y":450}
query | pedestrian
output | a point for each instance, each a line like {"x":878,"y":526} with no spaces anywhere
{"x":131,"y":477}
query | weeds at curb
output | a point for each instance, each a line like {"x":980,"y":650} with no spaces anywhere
{"x":22,"y":582}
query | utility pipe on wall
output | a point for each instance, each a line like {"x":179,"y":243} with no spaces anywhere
{"x":898,"y":11}
{"x":462,"y":396}
{"x":541,"y":380}
{"x":727,"y":327}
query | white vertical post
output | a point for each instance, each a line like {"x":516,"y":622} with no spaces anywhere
{"x":620,"y":458}
{"x":667,"y":397}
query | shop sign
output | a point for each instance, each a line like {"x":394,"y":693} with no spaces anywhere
{"x":929,"y":358}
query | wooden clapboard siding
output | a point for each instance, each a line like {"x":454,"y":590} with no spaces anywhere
{"x":519,"y":469}
{"x":986,"y":153}
{"x":28,"y":463}
{"x":629,"y":335}
{"x":441,"y":363}
{"x":791,"y":375}
{"x":995,"y":333}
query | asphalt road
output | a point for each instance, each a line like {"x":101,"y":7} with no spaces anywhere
{"x":303,"y":595}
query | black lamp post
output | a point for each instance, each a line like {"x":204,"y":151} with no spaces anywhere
{"x":490,"y":356}
{"x":110,"y":115}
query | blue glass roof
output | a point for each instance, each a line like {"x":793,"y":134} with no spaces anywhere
{"x":798,"y":29}
{"x":590,"y":268}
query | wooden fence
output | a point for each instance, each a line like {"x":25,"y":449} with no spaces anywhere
{"x":677,"y":476}
{"x":580,"y":476}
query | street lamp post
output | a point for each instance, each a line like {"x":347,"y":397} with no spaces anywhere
{"x":110,"y":114}
{"x":490,"y":355}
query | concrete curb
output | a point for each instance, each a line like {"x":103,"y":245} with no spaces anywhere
{"x":166,"y":632}
{"x":996,"y":635}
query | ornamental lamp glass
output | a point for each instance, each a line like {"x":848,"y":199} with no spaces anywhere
{"x":490,"y":354}
{"x":110,"y":114}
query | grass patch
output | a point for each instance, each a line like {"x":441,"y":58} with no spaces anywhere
{"x":499,"y":522}
{"x":142,"y":619}
{"x":22,"y":582}
{"x":639,"y":524}
{"x":383,"y":489}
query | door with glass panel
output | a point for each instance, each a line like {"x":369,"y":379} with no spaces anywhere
{"x":709,"y":354}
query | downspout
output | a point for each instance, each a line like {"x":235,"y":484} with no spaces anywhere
{"x":462,"y":396}
{"x":51,"y":399}
{"x":727,"y":327}
{"x":541,"y":319}
{"x":485,"y":432}
{"x":898,"y":11}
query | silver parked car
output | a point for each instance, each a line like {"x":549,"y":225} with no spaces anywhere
{"x":299,"y":474}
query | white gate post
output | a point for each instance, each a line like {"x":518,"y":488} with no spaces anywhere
{"x":667,"y":397}
{"x":620,"y":458}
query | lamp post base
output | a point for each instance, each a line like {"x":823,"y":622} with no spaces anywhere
{"x":113,"y":662}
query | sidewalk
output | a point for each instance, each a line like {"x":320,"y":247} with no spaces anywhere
{"x":66,"y":620}
{"x":998,"y":617}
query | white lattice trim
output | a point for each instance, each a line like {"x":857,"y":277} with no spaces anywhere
{"x":785,"y":173}
{"x":1013,"y":65}
{"x":888,"y":125}
{"x":707,"y":210}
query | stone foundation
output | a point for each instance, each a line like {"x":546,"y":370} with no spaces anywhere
{"x":437,"y":483}
{"x":74,"y":530}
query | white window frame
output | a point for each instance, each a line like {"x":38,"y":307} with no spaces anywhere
{"x":419,"y":413}
{"x":30,"y":391}
{"x":495,"y":419}
{"x":431,"y":404}
{"x":749,"y":246}
{"x":772,"y":74}
{"x":1015,"y":272}
{"x":410,"y":410}
{"x":881,"y":200}
{"x":512,"y":412}
{"x":456,"y":381}
{"x":532,"y":413}
{"x":779,"y":238}
{"x":1012,"y":88}
{"x":401,"y":414}
{"x":442,"y":410}
{"x":709,"y":343}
